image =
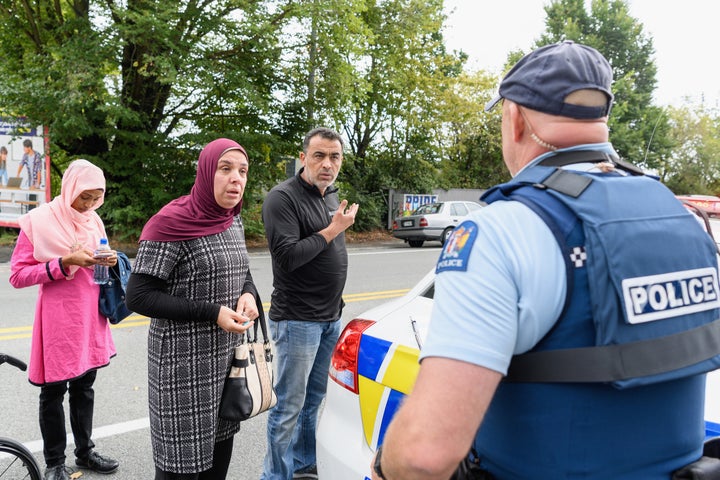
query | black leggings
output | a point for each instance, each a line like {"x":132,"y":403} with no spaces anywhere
{"x":221,"y":462}
{"x":52,"y":417}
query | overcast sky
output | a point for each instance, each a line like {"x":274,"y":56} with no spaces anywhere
{"x":685,"y":36}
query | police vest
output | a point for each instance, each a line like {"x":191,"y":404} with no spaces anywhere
{"x":642,"y":278}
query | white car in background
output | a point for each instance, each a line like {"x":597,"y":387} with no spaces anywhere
{"x":374,"y":366}
{"x":432,"y":222}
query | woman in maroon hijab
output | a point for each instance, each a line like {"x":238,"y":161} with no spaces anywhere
{"x":192,"y":277}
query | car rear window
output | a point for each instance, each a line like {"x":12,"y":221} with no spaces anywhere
{"x":430,"y":208}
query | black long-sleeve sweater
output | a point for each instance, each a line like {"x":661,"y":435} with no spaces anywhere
{"x":308,"y":273}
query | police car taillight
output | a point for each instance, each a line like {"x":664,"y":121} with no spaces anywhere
{"x":424,"y":222}
{"x":344,"y":361}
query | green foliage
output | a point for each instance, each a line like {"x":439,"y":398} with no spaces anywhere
{"x":252,"y":221}
{"x":139,"y":87}
{"x":694,"y":167}
{"x":637,"y":129}
{"x":473,"y":150}
{"x":372,"y":209}
{"x":367,"y":182}
{"x":8,"y":236}
{"x":403,"y":69}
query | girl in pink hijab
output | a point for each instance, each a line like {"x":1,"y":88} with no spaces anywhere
{"x":71,"y":339}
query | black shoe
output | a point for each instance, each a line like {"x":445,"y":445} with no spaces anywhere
{"x":58,"y":472}
{"x":308,"y":473}
{"x":97,"y":463}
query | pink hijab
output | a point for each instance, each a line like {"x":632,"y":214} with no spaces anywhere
{"x":197,"y":214}
{"x":56,"y":229}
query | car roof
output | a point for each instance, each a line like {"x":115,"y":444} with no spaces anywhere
{"x":700,"y":197}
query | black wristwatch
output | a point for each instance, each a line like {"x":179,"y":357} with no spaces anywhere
{"x":376,"y":466}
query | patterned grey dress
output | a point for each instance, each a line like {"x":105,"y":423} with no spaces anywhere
{"x":189,"y":360}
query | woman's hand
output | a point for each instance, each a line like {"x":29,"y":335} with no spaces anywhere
{"x":233,"y":322}
{"x":108,"y":258}
{"x":247,"y":306}
{"x":82,"y":258}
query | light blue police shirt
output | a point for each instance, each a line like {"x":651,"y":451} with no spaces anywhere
{"x":507,"y":293}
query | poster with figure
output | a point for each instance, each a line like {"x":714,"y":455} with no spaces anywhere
{"x":412,"y":201}
{"x":24,"y":169}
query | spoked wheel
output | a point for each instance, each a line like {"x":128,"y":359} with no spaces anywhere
{"x":17,"y":462}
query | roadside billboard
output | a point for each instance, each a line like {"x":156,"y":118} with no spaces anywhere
{"x":24,"y":169}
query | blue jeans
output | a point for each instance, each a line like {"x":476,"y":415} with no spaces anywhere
{"x":302,"y":359}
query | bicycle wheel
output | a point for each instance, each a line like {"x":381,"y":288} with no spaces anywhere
{"x":16,"y":462}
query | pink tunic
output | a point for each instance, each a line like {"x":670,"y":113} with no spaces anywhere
{"x":70,"y":336}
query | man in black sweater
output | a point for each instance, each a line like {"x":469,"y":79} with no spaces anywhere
{"x":305,"y":226}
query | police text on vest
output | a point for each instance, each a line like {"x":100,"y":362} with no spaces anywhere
{"x":668,"y":295}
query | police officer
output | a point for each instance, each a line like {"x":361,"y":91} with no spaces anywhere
{"x":575,"y":316}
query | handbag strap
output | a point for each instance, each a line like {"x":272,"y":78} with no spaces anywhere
{"x":260,"y":320}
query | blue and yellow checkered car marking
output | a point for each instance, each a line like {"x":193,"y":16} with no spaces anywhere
{"x":386,"y":373}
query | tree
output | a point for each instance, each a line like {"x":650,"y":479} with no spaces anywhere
{"x":638,"y":129}
{"x":694,"y":167}
{"x":376,"y":74}
{"x":473,"y":139}
{"x":321,"y":45}
{"x":393,"y":119}
{"x":139,"y":86}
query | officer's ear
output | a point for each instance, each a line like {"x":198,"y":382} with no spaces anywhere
{"x":515,"y":120}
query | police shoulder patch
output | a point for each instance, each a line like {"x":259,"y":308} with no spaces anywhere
{"x":456,"y":251}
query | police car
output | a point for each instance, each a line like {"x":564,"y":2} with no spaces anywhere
{"x":709,"y":203}
{"x":374,"y":366}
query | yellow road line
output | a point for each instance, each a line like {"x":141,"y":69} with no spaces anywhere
{"x":384,"y":293}
{"x":134,"y":320}
{"x":15,"y":329}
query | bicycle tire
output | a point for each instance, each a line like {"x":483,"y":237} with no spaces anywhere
{"x":17,"y":462}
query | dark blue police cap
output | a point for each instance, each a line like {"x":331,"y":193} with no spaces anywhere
{"x":543,"y":78}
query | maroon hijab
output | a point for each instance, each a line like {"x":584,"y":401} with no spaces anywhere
{"x":198,"y":214}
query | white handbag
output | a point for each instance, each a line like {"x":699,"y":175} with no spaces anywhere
{"x":249,"y":387}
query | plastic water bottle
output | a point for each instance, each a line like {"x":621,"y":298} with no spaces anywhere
{"x":102,"y":275}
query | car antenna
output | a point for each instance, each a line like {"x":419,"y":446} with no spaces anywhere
{"x":413,"y":324}
{"x":647,"y":150}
